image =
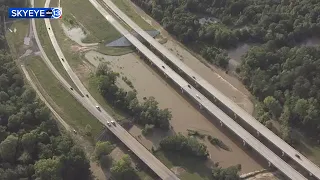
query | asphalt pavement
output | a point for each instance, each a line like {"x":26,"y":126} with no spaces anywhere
{"x":286,"y":148}
{"x":201,"y":100}
{"x":90,"y":104}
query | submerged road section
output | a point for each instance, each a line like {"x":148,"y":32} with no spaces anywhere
{"x":203,"y":102}
{"x":147,"y":157}
{"x":273,"y":138}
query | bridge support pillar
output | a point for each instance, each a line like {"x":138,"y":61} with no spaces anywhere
{"x":200,"y":106}
{"x":165,"y":75}
{"x":235,"y":115}
{"x":221,"y":124}
{"x":282,"y":153}
{"x":310,"y":174}
{"x":181,"y":90}
{"x":269,"y":164}
{"x":243,"y":142}
{"x":258,"y":133}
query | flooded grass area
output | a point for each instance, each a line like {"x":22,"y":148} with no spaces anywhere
{"x":148,"y":83}
{"x":236,"y":54}
{"x":62,"y":101}
{"x":97,"y":28}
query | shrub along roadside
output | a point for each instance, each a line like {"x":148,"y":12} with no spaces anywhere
{"x":143,"y":113}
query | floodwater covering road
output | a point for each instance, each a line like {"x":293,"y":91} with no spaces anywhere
{"x":148,"y":83}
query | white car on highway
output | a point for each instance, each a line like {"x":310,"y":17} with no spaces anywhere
{"x":113,"y":122}
{"x":197,"y":96}
{"x":108,"y":123}
{"x":98,"y":108}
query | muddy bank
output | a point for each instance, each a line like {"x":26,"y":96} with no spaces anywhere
{"x":234,"y":90}
{"x":185,"y":116}
{"x":76,"y":34}
{"x":229,"y":85}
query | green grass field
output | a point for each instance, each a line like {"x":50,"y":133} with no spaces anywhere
{"x":77,"y":58}
{"x":195,"y":169}
{"x":48,"y":48}
{"x":16,"y":39}
{"x":63,"y":102}
{"x":96,"y":26}
{"x":125,"y":6}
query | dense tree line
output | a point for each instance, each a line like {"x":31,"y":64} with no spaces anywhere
{"x":185,"y":145}
{"x":31,"y":146}
{"x":144,"y":113}
{"x":282,"y":76}
{"x":287,"y":82}
{"x":276,"y":22}
{"x":229,"y":173}
{"x":121,"y":169}
{"x":190,"y":147}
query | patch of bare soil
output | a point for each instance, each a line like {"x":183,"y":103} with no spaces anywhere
{"x":77,"y":48}
{"x":265,"y":176}
{"x":97,"y":171}
{"x":83,"y":71}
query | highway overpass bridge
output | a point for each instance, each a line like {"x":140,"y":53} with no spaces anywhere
{"x":90,"y":104}
{"x":201,"y":100}
{"x":217,"y":95}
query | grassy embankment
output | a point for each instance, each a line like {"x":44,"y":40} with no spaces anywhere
{"x":62,"y":101}
{"x":67,"y":107}
{"x":16,"y":39}
{"x":48,"y":47}
{"x":76,"y":60}
{"x":96,"y":28}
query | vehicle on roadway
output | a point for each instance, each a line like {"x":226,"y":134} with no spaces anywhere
{"x":197,"y":96}
{"x":98,"y":108}
{"x":189,"y":86}
{"x":297,"y":156}
{"x":113,"y":122}
{"x":71,"y":88}
{"x":87,"y":95}
{"x":74,"y":131}
{"x":108,"y":123}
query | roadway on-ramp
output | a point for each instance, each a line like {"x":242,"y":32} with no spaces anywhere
{"x":286,"y":148}
{"x":202,"y":100}
{"x":89,"y":103}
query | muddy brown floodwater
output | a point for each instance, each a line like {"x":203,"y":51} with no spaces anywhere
{"x":229,"y":85}
{"x":148,"y":83}
{"x":234,"y":90}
